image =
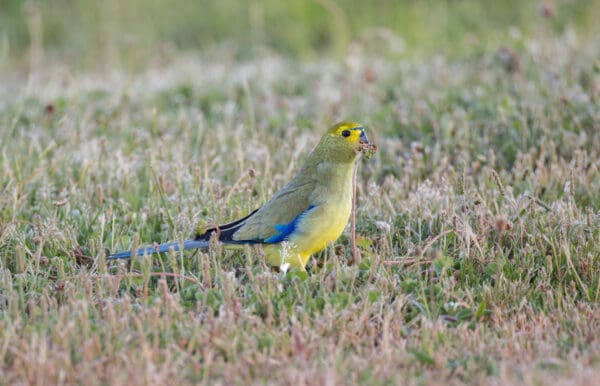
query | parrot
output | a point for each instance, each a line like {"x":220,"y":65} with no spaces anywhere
{"x":300,"y":219}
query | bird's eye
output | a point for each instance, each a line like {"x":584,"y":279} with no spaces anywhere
{"x":346,"y":133}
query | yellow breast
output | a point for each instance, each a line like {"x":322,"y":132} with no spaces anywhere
{"x":322,"y":225}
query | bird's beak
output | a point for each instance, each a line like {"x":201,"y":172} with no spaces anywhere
{"x":362,"y":139}
{"x":367,"y":148}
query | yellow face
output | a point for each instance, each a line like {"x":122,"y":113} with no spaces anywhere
{"x":352,"y":132}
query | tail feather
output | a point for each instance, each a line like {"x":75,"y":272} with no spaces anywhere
{"x":162,"y":248}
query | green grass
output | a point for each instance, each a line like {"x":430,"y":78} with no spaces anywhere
{"x":84,"y":34}
{"x":479,"y":221}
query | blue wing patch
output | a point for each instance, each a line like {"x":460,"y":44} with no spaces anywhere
{"x":285,"y":230}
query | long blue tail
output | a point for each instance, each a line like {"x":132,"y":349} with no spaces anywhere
{"x":162,"y":248}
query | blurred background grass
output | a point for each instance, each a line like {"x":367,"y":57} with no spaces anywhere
{"x":90,"y":35}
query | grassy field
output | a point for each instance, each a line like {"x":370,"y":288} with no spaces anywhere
{"x":479,"y":217}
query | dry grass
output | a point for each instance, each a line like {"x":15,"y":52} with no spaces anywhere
{"x":479,"y":222}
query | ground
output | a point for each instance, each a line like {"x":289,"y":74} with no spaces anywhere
{"x":478,"y":220}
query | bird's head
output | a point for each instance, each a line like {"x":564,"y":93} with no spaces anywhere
{"x":343,"y":142}
{"x":351,"y":133}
